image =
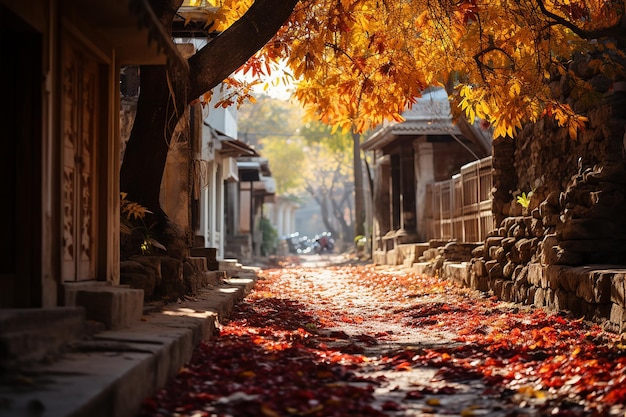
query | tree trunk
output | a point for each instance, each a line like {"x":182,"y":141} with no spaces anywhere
{"x":146,"y":151}
{"x":159,"y":108}
{"x":359,"y":192}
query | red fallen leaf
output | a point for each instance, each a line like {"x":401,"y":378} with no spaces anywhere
{"x":391,"y":406}
{"x":414,"y":395}
{"x":347,"y":319}
{"x":617,"y":395}
{"x":445,"y":390}
{"x":268,"y":412}
{"x":404,"y":366}
{"x":203,"y":396}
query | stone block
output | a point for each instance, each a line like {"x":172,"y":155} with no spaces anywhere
{"x":618,"y":289}
{"x":493,"y":252}
{"x":152,"y":266}
{"x":550,"y":297}
{"x":561,"y":301}
{"x":420,"y":248}
{"x":589,"y":228}
{"x":520,"y":274}
{"x":496,"y":272}
{"x":28,"y":335}
{"x":145,"y":281}
{"x":618,"y":316}
{"x":490,"y":264}
{"x":131,"y":266}
{"x":518,"y":232}
{"x":400,"y":254}
{"x":493,"y":241}
{"x":507,"y":291}
{"x":551,"y":220}
{"x":540,"y":297}
{"x":478,"y":267}
{"x":480,"y":283}
{"x":379,"y":258}
{"x":434,"y":243}
{"x":457,"y":272}
{"x":595,"y":312}
{"x":568,"y":257}
{"x":513,"y":255}
{"x":196,"y":277}
{"x":509,"y":223}
{"x":535,"y":274}
{"x":553,"y":276}
{"x":563,"y":276}
{"x":508,"y":269}
{"x":537,"y":228}
{"x":532,"y":293}
{"x":549,"y":250}
{"x":172,"y":285}
{"x":116,"y":307}
{"x":524,"y":248}
{"x":197,"y":262}
{"x":595,"y":287}
{"x":520,"y":292}
{"x":424,"y":268}
{"x":408,"y":262}
{"x":500,"y":255}
{"x":507,"y":243}
{"x":496,"y":286}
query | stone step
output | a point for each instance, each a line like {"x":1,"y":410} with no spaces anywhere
{"x":210,"y":254}
{"x":117,"y":307}
{"x":199,"y":262}
{"x":231,"y":267}
{"x":33,"y":334}
{"x":111,"y":373}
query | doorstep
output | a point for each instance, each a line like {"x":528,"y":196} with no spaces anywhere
{"x":111,"y":373}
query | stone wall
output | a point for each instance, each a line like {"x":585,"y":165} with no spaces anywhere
{"x":567,"y":250}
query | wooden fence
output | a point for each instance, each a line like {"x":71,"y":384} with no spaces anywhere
{"x":460,"y":208}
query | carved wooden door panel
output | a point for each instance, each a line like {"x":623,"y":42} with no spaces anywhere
{"x":80,"y":129}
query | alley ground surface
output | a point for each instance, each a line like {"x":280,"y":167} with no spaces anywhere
{"x":322,"y":336}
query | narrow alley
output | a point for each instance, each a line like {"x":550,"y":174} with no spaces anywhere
{"x":314,"y":339}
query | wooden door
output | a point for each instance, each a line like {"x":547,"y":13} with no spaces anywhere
{"x":80,"y":131}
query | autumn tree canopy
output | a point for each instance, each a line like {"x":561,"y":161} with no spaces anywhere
{"x":360,"y":62}
{"x":364,"y":61}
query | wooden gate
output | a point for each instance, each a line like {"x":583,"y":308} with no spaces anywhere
{"x":460,"y":208}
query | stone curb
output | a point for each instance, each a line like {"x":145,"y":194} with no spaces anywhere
{"x":110,"y":374}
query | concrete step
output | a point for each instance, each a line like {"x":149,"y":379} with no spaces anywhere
{"x":117,"y":307}
{"x":110,"y":373}
{"x":33,"y":334}
{"x":230,"y":266}
{"x":210,"y":254}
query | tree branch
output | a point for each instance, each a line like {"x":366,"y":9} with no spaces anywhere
{"x":616,"y":31}
{"x":233,"y":47}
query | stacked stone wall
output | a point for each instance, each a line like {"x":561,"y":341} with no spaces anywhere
{"x":567,"y":249}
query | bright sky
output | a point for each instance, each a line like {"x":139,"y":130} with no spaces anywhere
{"x":275,"y":85}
